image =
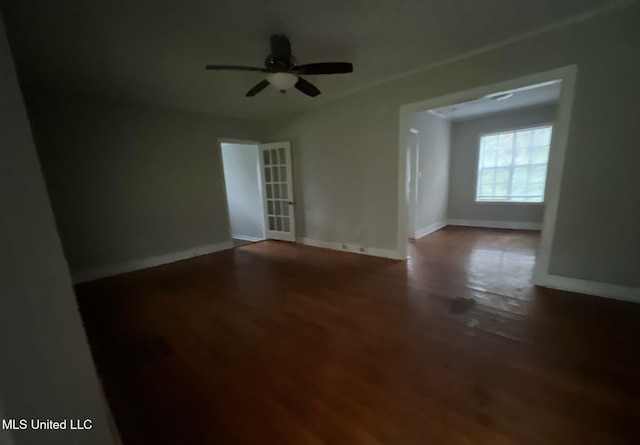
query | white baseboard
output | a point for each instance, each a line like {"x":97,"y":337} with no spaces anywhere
{"x":495,"y":224}
{"x":130,"y":266}
{"x":429,"y":229}
{"x":606,"y":290}
{"x":352,"y":248}
{"x":247,"y":238}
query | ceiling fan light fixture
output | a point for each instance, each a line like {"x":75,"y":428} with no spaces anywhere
{"x":282,"y":81}
{"x":283,"y":70}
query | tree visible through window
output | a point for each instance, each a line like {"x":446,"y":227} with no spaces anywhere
{"x":512,"y":166}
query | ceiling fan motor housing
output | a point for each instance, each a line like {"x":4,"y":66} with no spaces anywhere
{"x":273,"y":63}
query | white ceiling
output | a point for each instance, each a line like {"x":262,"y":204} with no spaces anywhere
{"x":155,"y":51}
{"x":521,"y":98}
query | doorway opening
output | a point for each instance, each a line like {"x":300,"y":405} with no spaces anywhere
{"x":258,"y":183}
{"x":487,"y":157}
{"x":243,"y":189}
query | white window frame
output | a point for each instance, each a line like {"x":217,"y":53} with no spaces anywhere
{"x":477,"y":166}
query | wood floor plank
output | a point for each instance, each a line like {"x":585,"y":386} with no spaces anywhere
{"x":278,"y":343}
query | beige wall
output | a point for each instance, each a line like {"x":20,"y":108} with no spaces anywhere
{"x":130,"y":181}
{"x":346,"y":150}
{"x":464,"y":167}
{"x":345,"y":160}
{"x":46,"y":369}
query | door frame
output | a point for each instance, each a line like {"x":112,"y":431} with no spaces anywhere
{"x":567,"y":75}
{"x":413,"y":159}
{"x":224,"y":179}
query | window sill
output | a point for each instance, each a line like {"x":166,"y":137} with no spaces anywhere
{"x":518,"y":203}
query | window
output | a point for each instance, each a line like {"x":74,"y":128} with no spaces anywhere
{"x":512,"y":166}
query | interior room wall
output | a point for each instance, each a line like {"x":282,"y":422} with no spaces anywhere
{"x":46,"y":370}
{"x":465,"y":136}
{"x":344,"y":161}
{"x":244,"y":191}
{"x":131,"y":181}
{"x":434,"y":141}
{"x":346,"y":150}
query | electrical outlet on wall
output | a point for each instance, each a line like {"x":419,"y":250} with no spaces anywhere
{"x":344,"y":247}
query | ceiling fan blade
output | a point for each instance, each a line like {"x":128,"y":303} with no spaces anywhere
{"x":325,"y":68}
{"x":306,"y":87}
{"x":256,"y":89}
{"x":280,"y":46}
{"x":235,"y":68}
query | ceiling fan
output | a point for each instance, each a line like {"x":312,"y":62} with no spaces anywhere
{"x":284,"y":72}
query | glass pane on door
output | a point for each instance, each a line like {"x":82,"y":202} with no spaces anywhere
{"x":277,"y":182}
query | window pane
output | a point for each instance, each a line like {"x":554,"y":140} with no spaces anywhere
{"x":489,"y":159}
{"x":521,"y":157}
{"x":283,"y":174}
{"x":269,"y":192}
{"x":488,"y":176}
{"x":541,"y":136}
{"x":283,"y":191}
{"x":277,"y":212}
{"x":540,"y":155}
{"x":270,"y":210}
{"x":502,"y":175}
{"x":490,"y":143}
{"x":519,"y":190}
{"x":285,"y":224}
{"x":504,"y":158}
{"x":275,"y":174}
{"x":536,"y":190}
{"x":265,"y":154}
{"x":486,"y":191}
{"x":283,"y":158}
{"x":276,"y":191}
{"x":505,"y":141}
{"x":523,"y":138}
{"x":267,"y":174}
{"x":272,"y":223}
{"x":285,"y":209}
{"x":519,"y":175}
{"x":501,"y":191}
{"x":537,"y":174}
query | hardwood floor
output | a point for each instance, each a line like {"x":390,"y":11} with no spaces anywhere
{"x":277,"y":343}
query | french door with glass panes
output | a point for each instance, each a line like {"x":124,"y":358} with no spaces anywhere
{"x":275,"y":162}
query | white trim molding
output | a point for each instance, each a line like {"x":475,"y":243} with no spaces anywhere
{"x":599,"y":289}
{"x":130,"y":266}
{"x":514,"y":225}
{"x":247,"y":238}
{"x":429,"y":229}
{"x":351,"y":248}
